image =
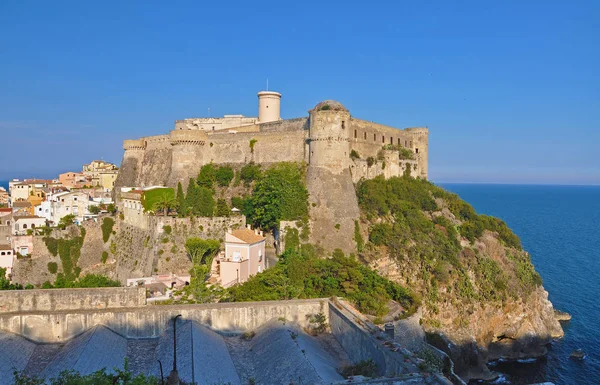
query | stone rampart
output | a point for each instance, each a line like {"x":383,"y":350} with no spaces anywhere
{"x":55,"y":300}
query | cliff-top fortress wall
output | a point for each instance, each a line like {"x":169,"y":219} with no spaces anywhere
{"x":328,"y":140}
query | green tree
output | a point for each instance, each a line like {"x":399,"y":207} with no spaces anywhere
{"x":279,"y":195}
{"x":165,"y":203}
{"x":94,"y":209}
{"x":224,"y":176}
{"x":206,"y":177}
{"x":182,"y":207}
{"x":96,"y":280}
{"x":66,"y":221}
{"x":206,"y":202}
{"x":222,"y":208}
{"x":192,"y":198}
{"x":5,"y":282}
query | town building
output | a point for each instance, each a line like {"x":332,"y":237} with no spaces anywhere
{"x":101,"y":173}
{"x":24,"y":223}
{"x":21,"y":190}
{"x":22,"y":244}
{"x":69,"y":203}
{"x":4,"y":198}
{"x":6,"y":258}
{"x":21,"y":208}
{"x":244,"y":256}
{"x":72,"y":179}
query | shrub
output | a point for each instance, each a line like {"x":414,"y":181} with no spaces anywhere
{"x":104,"y":256}
{"x":252,"y":143}
{"x":300,"y":273}
{"x":167,"y":229}
{"x":380,"y":233}
{"x":371,"y":161}
{"x":363,"y":368}
{"x":360,"y":243}
{"x":107,"y":227}
{"x":224,"y":176}
{"x":354,"y":155}
{"x":52,"y":267}
{"x":250,"y":172}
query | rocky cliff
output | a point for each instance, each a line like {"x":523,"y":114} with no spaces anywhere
{"x":482,"y":298}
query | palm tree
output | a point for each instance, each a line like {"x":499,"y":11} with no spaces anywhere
{"x":165,"y":203}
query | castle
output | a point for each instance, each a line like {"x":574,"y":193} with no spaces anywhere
{"x":339,"y":150}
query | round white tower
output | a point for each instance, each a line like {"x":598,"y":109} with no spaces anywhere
{"x":269,"y":105}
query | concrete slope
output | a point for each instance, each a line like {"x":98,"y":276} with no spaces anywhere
{"x":212,"y":363}
{"x":15,"y":352}
{"x":95,"y":349}
{"x":278,"y":357}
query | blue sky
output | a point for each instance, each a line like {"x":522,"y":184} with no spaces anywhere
{"x":510,"y":89}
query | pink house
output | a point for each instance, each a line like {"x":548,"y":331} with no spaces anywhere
{"x":244,"y":256}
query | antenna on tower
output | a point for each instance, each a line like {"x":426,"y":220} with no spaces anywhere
{"x":267,"y":84}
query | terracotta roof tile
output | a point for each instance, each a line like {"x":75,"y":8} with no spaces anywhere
{"x":247,"y":236}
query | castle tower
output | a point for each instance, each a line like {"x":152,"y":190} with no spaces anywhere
{"x":329,"y":141}
{"x":269,"y":106}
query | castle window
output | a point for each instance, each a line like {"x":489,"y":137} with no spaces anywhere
{"x":399,"y":144}
{"x":391,"y":140}
{"x":374,"y":137}
{"x":417,"y":150}
{"x":405,"y":143}
{"x":382,"y":138}
{"x":213,"y":128}
{"x":343,"y":125}
{"x":355,"y":134}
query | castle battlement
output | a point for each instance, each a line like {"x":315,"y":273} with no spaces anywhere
{"x":325,"y":138}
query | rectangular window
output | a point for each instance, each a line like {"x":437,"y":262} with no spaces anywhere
{"x":355,"y":134}
{"x":399,"y":144}
{"x":343,"y":125}
{"x":391,"y":140}
{"x":365,"y":136}
{"x":382,"y":139}
{"x":374,"y":136}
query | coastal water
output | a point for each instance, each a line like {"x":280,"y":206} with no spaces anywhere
{"x":4,"y":183}
{"x":560,"y":227}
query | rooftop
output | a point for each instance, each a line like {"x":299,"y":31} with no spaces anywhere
{"x":247,"y":236}
{"x":329,"y":105}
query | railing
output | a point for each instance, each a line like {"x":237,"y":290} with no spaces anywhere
{"x":230,"y":283}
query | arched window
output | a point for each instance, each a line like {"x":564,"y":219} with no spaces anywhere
{"x":24,"y":226}
{"x":33,"y":225}
{"x":374,"y":137}
{"x":3,"y":253}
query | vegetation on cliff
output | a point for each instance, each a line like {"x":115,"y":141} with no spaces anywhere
{"x":438,"y":242}
{"x":302,"y":273}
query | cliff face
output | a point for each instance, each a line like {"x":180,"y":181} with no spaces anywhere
{"x":482,"y":299}
{"x":129,"y":252}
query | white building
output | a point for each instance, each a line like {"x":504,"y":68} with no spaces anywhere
{"x":69,"y":203}
{"x":6,"y":258}
{"x":27,"y":222}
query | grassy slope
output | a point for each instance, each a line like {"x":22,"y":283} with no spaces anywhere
{"x":443,"y":249}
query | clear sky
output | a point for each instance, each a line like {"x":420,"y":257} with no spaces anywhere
{"x":510,"y":90}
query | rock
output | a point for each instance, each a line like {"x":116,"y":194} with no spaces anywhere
{"x":577,"y":354}
{"x":562,"y":316}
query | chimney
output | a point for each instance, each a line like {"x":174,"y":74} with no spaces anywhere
{"x":261,"y":233}
{"x":255,"y":232}
{"x":248,"y":227}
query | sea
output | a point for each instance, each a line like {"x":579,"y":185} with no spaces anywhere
{"x":560,"y":227}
